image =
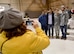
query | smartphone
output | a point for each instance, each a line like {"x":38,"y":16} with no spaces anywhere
{"x":29,"y":22}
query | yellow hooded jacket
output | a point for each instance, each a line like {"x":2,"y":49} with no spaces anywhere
{"x":28,"y":43}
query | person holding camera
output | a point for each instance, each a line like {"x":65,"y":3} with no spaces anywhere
{"x":15,"y":38}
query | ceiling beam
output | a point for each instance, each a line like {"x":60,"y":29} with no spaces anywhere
{"x":30,"y":5}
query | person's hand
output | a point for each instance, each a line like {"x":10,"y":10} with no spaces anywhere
{"x":35,"y":24}
{"x":24,"y":24}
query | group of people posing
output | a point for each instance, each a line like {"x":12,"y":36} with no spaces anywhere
{"x":57,"y":19}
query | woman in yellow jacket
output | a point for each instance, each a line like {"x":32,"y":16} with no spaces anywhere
{"x":16,"y":39}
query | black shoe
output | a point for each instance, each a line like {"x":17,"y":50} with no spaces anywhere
{"x":62,"y":37}
{"x":52,"y":37}
{"x":48,"y":36}
{"x":68,"y":33}
{"x":57,"y":37}
{"x":65,"y":38}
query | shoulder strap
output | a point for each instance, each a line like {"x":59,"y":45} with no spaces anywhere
{"x":2,"y":45}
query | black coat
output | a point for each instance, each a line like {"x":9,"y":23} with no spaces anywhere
{"x":52,"y":18}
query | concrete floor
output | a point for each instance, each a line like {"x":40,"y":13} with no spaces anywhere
{"x":58,"y":46}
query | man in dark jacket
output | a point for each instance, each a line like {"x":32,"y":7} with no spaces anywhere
{"x":50,"y":21}
{"x":43,"y":21}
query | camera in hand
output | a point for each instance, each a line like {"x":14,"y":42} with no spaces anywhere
{"x":29,"y":22}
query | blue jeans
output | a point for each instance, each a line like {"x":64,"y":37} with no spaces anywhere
{"x":45,"y":28}
{"x":50,"y":27}
{"x":64,"y":31}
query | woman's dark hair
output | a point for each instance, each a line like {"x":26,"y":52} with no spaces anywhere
{"x":18,"y":31}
